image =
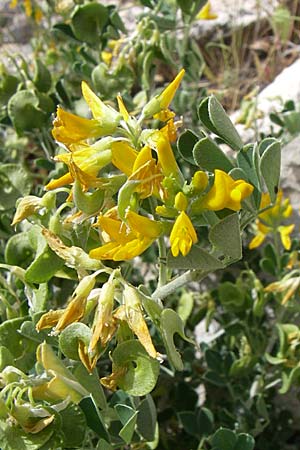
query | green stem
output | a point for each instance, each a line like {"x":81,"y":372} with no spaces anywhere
{"x":277,"y":253}
{"x":273,"y":338}
{"x":163,"y":271}
{"x":162,"y":251}
{"x":168,"y":289}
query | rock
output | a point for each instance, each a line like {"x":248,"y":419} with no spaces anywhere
{"x":290,"y":174}
{"x":233,"y":14}
{"x":286,"y":86}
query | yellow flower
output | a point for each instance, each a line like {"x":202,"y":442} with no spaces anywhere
{"x":106,"y":57}
{"x":226,"y":193}
{"x":27,"y":6}
{"x":285,"y":232}
{"x":199,"y":181}
{"x":74,"y":310}
{"x":89,"y":159}
{"x":160,"y":143}
{"x":270,"y":221}
{"x":261,"y":234}
{"x":104,"y":325}
{"x":149,"y":172}
{"x":69,"y":128}
{"x":162,"y":101}
{"x":138,"y":166}
{"x":168,"y":93}
{"x":132,"y":313}
{"x":288,"y":285}
{"x":126,"y":242}
{"x":181,"y":202}
{"x":183,"y":235}
{"x":123,"y":109}
{"x":205,"y":13}
{"x":123,"y":156}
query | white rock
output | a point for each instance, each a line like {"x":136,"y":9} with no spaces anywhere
{"x":286,"y":86}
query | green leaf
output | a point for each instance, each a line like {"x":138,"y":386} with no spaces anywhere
{"x":15,"y":182}
{"x":171,"y":324}
{"x":224,"y":439}
{"x":214,"y":117}
{"x":124,"y":412}
{"x":205,"y":420}
{"x":292,"y":121}
{"x":87,"y":202}
{"x":146,"y":419}
{"x":289,"y":378}
{"x":185,"y":145}
{"x":197,"y":258}
{"x":13,"y":438}
{"x":18,"y":251}
{"x":88,"y":21}
{"x":243,"y":366}
{"x":244,"y":442}
{"x":42,"y":76}
{"x":128,"y":417}
{"x":93,"y":417}
{"x":270,"y":168}
{"x":91,"y":382}
{"x":199,"y":423}
{"x":46,"y":262}
{"x":103,"y":445}
{"x":189,"y":422}
{"x":73,"y":426}
{"x":37,"y":297}
{"x":9,"y":336}
{"x":117,"y":22}
{"x":24,"y":111}
{"x":8,"y":86}
{"x":6,"y":358}
{"x":226,"y":237}
{"x":215,"y":378}
{"x":70,"y":337}
{"x":214,"y":360}
{"x":268,"y":265}
{"x":231,"y":296}
{"x":245,"y":160}
{"x":208,"y":156}
{"x":185,"y":305}
{"x":141,"y":370}
{"x":44,"y":267}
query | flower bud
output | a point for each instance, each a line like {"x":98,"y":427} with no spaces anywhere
{"x":181,"y":202}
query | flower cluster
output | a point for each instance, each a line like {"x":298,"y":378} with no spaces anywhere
{"x":271,"y":219}
{"x":115,"y":140}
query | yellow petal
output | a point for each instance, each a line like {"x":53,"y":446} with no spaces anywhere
{"x":123,"y":156}
{"x":107,"y":116}
{"x":59,"y":182}
{"x":165,"y":154}
{"x":135,"y":319}
{"x":285,"y":232}
{"x":49,"y":319}
{"x":122,"y":108}
{"x":161,"y":102}
{"x":257,"y":241}
{"x":226,"y":193}
{"x":69,"y":128}
{"x":26,"y":207}
{"x":167,"y":95}
{"x":183,"y":235}
{"x":143,"y":226}
{"x":104,"y":325}
{"x":205,"y":13}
